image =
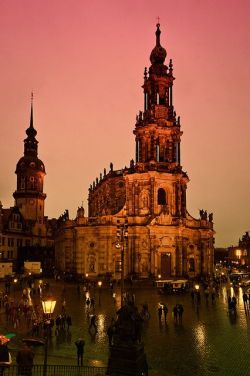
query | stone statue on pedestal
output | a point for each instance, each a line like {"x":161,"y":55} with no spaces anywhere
{"x":127,"y":355}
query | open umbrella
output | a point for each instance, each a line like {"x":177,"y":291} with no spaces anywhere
{"x":3,"y":339}
{"x":33,"y":341}
{"x":10,"y":335}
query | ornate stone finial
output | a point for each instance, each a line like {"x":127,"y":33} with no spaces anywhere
{"x":93,"y":184}
{"x":96,"y":181}
{"x":104,"y":172}
{"x":111,"y":166}
{"x":158,"y":33}
{"x":100,"y":176}
{"x":170,"y":66}
{"x":132,"y":163}
{"x":145,"y":74}
{"x":80,"y":212}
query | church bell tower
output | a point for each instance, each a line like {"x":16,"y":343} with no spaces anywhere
{"x":158,"y":135}
{"x":30,"y":171}
{"x":157,"y":128}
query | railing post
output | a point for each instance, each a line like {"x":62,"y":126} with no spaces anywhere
{"x":45,"y":352}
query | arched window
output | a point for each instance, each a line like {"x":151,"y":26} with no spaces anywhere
{"x":162,"y":197}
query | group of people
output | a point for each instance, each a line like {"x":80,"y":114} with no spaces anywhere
{"x":177,"y":312}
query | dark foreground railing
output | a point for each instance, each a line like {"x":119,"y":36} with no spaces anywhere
{"x":55,"y":370}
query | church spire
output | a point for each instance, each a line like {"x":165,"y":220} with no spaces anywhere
{"x":30,"y":143}
{"x":31,"y":110}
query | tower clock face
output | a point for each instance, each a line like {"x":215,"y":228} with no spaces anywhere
{"x":32,"y":202}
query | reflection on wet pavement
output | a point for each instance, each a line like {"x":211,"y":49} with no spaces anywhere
{"x":209,"y":341}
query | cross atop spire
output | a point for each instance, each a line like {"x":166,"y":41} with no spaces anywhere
{"x":31,"y":110}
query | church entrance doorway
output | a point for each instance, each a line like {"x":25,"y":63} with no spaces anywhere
{"x":165,"y":265}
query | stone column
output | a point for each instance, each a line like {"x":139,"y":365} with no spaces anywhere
{"x":152,"y":196}
{"x":179,"y":256}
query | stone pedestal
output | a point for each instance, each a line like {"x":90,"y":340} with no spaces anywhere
{"x":127,"y":360}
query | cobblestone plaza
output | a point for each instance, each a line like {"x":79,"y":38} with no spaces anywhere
{"x":208,"y":342}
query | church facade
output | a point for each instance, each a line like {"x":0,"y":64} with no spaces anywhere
{"x":148,"y":199}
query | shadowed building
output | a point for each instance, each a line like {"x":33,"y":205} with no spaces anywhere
{"x":23,"y":227}
{"x":149,"y":196}
{"x":240,"y":255}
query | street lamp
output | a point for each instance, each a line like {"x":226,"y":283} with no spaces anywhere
{"x":48,"y":309}
{"x":14,"y":287}
{"x":122,"y":237}
{"x":99,"y":285}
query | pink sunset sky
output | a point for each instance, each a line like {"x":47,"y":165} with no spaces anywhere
{"x":84,"y":60}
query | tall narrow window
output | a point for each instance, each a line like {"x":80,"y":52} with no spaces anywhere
{"x":162,"y":197}
{"x":32,"y":182}
{"x":22,"y":182}
{"x":146,"y":101}
{"x":177,"y":152}
{"x":157,"y":98}
{"x":137,"y":151}
{"x":158,"y":153}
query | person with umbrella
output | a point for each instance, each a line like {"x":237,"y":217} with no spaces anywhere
{"x":80,"y":343}
{"x":5,"y":357}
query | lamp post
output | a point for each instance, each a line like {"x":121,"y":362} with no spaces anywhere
{"x":48,"y":309}
{"x":14,"y":287}
{"x":100,"y":286}
{"x":122,"y":237}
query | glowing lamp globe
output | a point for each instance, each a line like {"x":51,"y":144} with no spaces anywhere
{"x":48,"y":306}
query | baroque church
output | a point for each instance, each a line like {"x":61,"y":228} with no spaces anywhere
{"x":148,"y":198}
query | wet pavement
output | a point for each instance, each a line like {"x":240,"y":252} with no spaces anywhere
{"x":209,"y":341}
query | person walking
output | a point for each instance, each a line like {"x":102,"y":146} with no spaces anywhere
{"x":69,"y":321}
{"x":24,"y":360}
{"x":165,"y":311}
{"x":175,"y":312}
{"x":180,"y":311}
{"x":245,"y":301}
{"x":80,"y":343}
{"x":160,"y":313}
{"x":93,"y":322}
